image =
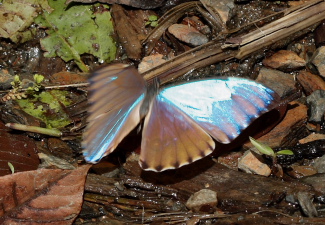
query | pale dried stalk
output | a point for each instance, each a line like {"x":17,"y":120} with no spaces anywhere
{"x":295,"y":19}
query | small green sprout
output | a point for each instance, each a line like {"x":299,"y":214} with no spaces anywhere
{"x":37,"y":80}
{"x":152,"y":21}
{"x":16,"y":83}
{"x":12,"y":168}
{"x":267,"y":150}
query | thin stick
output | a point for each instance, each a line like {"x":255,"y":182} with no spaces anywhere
{"x":34,"y":129}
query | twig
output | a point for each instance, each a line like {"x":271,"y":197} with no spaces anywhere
{"x":55,"y":87}
{"x":40,"y":130}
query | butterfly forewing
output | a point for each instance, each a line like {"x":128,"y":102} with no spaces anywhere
{"x":170,"y":138}
{"x":116,"y":95}
{"x":222,"y":107}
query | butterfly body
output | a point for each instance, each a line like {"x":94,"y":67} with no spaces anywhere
{"x":181,"y":119}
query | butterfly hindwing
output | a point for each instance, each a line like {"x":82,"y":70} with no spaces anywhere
{"x":170,"y":138}
{"x":116,"y":95}
{"x":222,"y":107}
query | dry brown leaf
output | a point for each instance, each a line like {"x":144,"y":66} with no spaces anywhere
{"x":42,"y":196}
{"x":18,"y":149}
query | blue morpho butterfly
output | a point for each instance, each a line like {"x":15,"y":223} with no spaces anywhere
{"x":180,"y":120}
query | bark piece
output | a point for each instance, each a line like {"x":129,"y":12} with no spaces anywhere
{"x":310,"y":82}
{"x":302,"y":171}
{"x":128,"y":37}
{"x":289,"y":130}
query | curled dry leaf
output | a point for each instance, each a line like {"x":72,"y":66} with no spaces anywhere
{"x":42,"y":196}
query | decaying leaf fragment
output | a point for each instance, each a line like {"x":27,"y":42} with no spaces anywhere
{"x":42,"y":196}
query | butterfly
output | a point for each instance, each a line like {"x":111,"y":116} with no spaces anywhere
{"x":181,"y":121}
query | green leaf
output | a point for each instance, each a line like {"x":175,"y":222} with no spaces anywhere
{"x":154,"y":24}
{"x":16,"y":16}
{"x":285,"y":152}
{"x":153,"y":18}
{"x":77,"y":30}
{"x":38,"y":78}
{"x":262,"y":147}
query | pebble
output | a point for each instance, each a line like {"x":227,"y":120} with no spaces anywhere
{"x":150,"y":61}
{"x":282,"y":83}
{"x":188,"y":34}
{"x":253,"y":163}
{"x":306,"y":204}
{"x":204,"y":200}
{"x":318,"y":60}
{"x":284,"y":60}
{"x":316,"y":102}
{"x":5,"y":80}
{"x":319,"y":164}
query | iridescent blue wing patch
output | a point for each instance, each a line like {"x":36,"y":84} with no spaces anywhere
{"x":222,"y":107}
{"x":116,"y":95}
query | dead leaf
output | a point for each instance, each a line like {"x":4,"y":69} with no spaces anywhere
{"x":17,"y":149}
{"x":42,"y":196}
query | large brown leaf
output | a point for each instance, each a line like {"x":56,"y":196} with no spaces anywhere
{"x":42,"y":196}
{"x":18,"y":149}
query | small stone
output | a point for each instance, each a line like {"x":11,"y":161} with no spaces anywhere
{"x":318,"y":60}
{"x":282,"y":83}
{"x":310,"y":82}
{"x":306,"y":204}
{"x":230,"y":159}
{"x":5,"y":80}
{"x":284,"y":60}
{"x":316,"y":102}
{"x":302,"y":171}
{"x":319,"y":164}
{"x":253,"y":163}
{"x":150,"y":61}
{"x":188,"y":34}
{"x":204,"y":200}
